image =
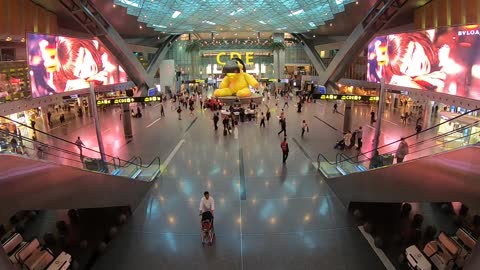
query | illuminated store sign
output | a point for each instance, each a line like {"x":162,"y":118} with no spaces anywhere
{"x":248,"y":57}
{"x":127,"y":100}
{"x":345,"y":97}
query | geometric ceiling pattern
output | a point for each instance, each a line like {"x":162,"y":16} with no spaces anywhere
{"x":183,"y":16}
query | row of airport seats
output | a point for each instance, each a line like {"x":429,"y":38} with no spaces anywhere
{"x":445,"y":252}
{"x":73,"y":242}
{"x":32,"y":255}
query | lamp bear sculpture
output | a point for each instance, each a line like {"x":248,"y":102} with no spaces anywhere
{"x":236,"y":81}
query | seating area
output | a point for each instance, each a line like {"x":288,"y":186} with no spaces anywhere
{"x":73,"y":241}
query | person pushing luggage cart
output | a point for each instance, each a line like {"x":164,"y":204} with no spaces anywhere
{"x":207,"y":208}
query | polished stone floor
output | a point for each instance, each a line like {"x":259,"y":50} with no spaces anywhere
{"x":268,"y":216}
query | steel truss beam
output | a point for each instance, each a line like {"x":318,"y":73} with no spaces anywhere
{"x":311,"y":52}
{"x":160,"y":55}
{"x":379,"y":15}
{"x":90,"y":18}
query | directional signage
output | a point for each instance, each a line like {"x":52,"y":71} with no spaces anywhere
{"x":345,"y":97}
{"x":126,"y":100}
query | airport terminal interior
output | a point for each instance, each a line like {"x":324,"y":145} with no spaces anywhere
{"x":268,"y":134}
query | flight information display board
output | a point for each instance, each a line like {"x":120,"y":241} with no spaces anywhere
{"x":127,"y":100}
{"x":345,"y":97}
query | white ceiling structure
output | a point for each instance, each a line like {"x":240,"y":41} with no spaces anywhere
{"x":182,"y":16}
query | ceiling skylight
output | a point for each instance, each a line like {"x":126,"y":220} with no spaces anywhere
{"x":173,"y":16}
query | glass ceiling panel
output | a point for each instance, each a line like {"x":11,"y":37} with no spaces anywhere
{"x":178,"y":16}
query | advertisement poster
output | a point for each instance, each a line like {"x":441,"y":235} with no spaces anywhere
{"x":443,"y":60}
{"x":60,"y":64}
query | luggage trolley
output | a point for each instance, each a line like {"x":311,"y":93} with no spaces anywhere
{"x":208,"y":232}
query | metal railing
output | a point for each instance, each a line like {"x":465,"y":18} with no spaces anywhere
{"x":341,"y":158}
{"x":55,"y":153}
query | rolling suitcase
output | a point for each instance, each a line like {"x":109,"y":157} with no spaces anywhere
{"x":12,"y":242}
{"x":62,"y":262}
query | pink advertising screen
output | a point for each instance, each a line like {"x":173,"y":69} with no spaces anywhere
{"x":445,"y":60}
{"x":60,"y":64}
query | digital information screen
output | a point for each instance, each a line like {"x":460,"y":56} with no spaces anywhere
{"x":444,"y":60}
{"x":127,"y":100}
{"x":345,"y":97}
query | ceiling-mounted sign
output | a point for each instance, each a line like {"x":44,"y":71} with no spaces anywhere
{"x":127,"y":100}
{"x":345,"y":97}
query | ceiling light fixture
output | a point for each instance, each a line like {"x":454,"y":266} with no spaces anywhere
{"x":209,"y":22}
{"x":297,"y":12}
{"x":176,"y":14}
{"x":159,"y":26}
{"x":311,"y":24}
{"x":236,"y":11}
{"x":262,"y":22}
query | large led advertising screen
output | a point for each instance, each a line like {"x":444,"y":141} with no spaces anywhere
{"x":59,"y":64}
{"x":445,"y":60}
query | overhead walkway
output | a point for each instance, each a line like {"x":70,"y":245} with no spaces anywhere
{"x":439,"y":168}
{"x":50,"y":173}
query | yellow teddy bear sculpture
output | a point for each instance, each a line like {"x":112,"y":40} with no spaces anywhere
{"x":236,"y":81}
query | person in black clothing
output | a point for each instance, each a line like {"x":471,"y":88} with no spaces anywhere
{"x":262,"y":120}
{"x":139,"y":113}
{"x":372,"y":117}
{"x":268,"y":115}
{"x":283,"y":124}
{"x":215,"y":120}
{"x":299,"y":107}
{"x":32,"y":123}
{"x":49,"y":117}
{"x":162,"y":111}
{"x":225,"y":125}
{"x":335,"y":108}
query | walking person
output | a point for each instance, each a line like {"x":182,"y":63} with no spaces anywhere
{"x":283,"y":125}
{"x":162,"y":111}
{"x":226,"y":127}
{"x":32,"y":124}
{"x":80,"y":146}
{"x":299,"y":107}
{"x":268,"y":115}
{"x":372,"y":117}
{"x":304,"y":127}
{"x":359,"y":133}
{"x":335,"y":106}
{"x":49,"y":118}
{"x":207,"y":204}
{"x":179,"y":111}
{"x":262,"y":120}
{"x":216,"y":118}
{"x":286,"y":101}
{"x":285,"y":150}
{"x":402,"y":150}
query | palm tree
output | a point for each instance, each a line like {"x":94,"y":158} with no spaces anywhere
{"x":277,"y":46}
{"x":193,"y":47}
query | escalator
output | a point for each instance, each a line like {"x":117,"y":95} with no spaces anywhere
{"x":45,"y":172}
{"x":442,"y":165}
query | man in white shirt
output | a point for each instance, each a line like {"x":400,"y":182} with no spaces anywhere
{"x":207,"y":204}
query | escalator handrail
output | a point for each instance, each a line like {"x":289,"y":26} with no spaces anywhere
{"x":325,"y":158}
{"x":55,"y":137}
{"x":415,"y":134}
{"x":434,"y":138}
